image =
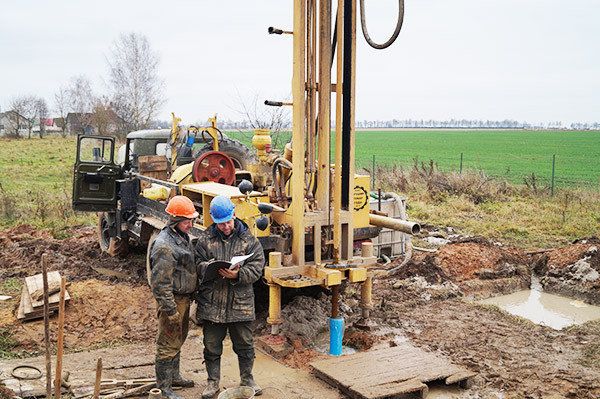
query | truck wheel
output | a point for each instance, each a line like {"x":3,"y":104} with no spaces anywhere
{"x":241,"y":155}
{"x":111,"y":245}
{"x":148,"y":266}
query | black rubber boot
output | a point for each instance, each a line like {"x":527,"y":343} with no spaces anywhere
{"x":246,"y":375}
{"x":213,"y":369}
{"x":178,"y":380}
{"x":164,"y":378}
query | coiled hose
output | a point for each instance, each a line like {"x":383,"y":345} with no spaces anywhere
{"x":392,"y":39}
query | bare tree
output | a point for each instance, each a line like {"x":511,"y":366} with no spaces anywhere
{"x":25,"y":107}
{"x":104,"y":119}
{"x":41,"y":113}
{"x":260,"y":116}
{"x":81,"y":101}
{"x":136,"y":89}
{"x":61,"y":107}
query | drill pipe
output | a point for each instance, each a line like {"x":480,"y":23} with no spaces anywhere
{"x":395,"y":224}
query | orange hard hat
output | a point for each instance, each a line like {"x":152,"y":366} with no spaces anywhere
{"x":181,"y":206}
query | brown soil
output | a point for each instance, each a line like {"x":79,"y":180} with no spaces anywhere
{"x":510,"y":354}
{"x":76,"y":257}
{"x":301,"y":357}
{"x":360,"y":340}
{"x":462,"y":260}
{"x":565,"y":256}
{"x":98,"y":314}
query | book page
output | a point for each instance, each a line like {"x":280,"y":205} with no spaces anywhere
{"x":239,"y":259}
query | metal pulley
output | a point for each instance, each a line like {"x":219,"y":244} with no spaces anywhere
{"x":214,"y":166}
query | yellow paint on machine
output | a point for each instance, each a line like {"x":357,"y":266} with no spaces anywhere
{"x":245,"y":207}
{"x":360,"y":208}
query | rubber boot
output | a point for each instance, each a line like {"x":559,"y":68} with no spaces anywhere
{"x":164,"y":378}
{"x":246,"y":375}
{"x":213,"y":369}
{"x":178,"y":380}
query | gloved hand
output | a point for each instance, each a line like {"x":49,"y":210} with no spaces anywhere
{"x":174,"y":318}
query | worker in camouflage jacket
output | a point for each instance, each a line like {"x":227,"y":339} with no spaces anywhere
{"x":226,"y":300}
{"x":173,"y":280}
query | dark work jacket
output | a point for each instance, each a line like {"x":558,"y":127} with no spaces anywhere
{"x":223,"y":300}
{"x":174,"y":270}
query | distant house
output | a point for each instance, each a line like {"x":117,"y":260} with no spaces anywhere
{"x":12,"y":124}
{"x":49,"y":125}
{"x":103,"y":121}
{"x":80,"y":122}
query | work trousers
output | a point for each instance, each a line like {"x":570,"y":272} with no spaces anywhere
{"x":241,"y":338}
{"x":172,"y":335}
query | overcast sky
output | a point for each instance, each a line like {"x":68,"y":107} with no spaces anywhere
{"x":533,"y":60}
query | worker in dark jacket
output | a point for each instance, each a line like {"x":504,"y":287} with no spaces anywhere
{"x":173,"y":281}
{"x":226,"y":302}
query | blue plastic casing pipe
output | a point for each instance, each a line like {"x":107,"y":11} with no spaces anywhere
{"x":336,"y":333}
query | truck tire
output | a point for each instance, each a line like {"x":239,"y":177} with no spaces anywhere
{"x":241,"y":155}
{"x":148,"y":266}
{"x":111,"y":245}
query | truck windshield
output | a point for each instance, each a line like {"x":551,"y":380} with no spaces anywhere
{"x":95,"y":150}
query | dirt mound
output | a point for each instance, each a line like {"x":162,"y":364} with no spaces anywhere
{"x":572,"y":271}
{"x":304,"y":318}
{"x":426,"y":266}
{"x":78,"y":257}
{"x":463,"y":260}
{"x":360,"y":340}
{"x":565,"y":256}
{"x":98,"y":314}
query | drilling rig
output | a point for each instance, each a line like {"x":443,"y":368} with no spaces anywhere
{"x":306,"y":204}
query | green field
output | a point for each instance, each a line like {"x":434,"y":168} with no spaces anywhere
{"x":511,"y":154}
{"x":36,"y":183}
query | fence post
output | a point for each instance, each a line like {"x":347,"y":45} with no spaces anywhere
{"x":373,"y":174}
{"x":552,"y":185}
{"x":461,"y":162}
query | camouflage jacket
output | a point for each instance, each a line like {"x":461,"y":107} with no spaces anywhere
{"x":224,"y":300}
{"x":173,"y":268}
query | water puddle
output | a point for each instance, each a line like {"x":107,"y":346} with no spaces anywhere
{"x":545,"y":309}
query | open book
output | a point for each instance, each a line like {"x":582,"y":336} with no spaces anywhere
{"x":212,"y":269}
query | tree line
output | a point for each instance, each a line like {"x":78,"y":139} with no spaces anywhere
{"x":131,"y":100}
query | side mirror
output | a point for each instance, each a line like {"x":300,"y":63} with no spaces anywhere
{"x":262,"y":223}
{"x":245,"y":187}
{"x":265,"y":208}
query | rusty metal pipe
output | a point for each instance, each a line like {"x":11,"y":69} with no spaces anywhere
{"x":395,"y":224}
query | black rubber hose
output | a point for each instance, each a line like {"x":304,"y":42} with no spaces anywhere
{"x":394,"y":36}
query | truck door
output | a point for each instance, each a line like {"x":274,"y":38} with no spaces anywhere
{"x":95,"y":175}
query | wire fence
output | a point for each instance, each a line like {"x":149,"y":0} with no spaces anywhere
{"x":550,"y":171}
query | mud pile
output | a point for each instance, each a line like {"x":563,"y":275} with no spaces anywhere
{"x":98,"y":314}
{"x":78,"y":257}
{"x":478,"y":268}
{"x":305,"y":318}
{"x":573,"y":270}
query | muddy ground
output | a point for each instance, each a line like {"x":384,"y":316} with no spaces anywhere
{"x":429,"y":301}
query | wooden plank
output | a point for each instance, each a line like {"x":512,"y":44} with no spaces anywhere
{"x":391,"y":372}
{"x":152,"y":163}
{"x":26,"y":312}
{"x":35,"y":284}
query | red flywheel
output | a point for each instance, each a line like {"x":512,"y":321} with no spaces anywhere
{"x":214,"y":166}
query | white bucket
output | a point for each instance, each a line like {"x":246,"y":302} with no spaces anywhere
{"x":242,"y":392}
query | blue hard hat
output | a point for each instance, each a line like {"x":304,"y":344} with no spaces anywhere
{"x":221,"y":209}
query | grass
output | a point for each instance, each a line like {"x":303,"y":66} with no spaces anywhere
{"x":477,"y":205}
{"x":510,"y":154}
{"x":7,"y":344}
{"x":36,"y":178}
{"x":10,"y":286}
{"x":36,"y":183}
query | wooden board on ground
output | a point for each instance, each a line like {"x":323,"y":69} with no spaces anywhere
{"x":389,"y":372}
{"x":26,"y":311}
{"x":35,"y":284}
